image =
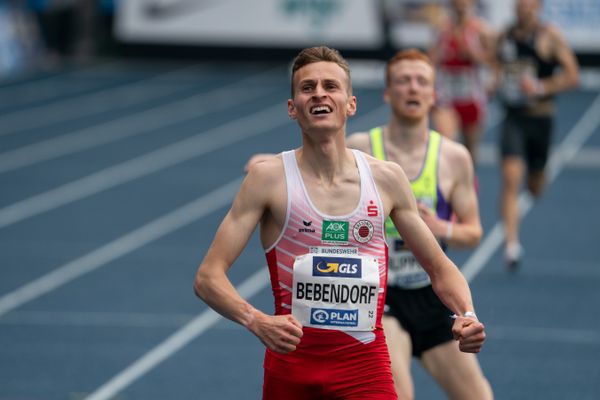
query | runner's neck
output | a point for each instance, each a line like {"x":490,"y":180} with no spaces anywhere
{"x":407,"y":136}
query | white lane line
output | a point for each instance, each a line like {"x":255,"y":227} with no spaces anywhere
{"x":587,"y":158}
{"x":564,"y":153}
{"x":226,"y":134}
{"x":176,"y":341}
{"x":45,"y":87}
{"x":149,"y":120}
{"x":87,"y":104}
{"x":119,"y":247}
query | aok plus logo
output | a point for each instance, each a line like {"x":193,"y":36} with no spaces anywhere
{"x":330,"y":317}
{"x":335,"y":232}
{"x":337,"y":266}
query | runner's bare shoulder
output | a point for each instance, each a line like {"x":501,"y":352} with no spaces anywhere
{"x":359,"y":141}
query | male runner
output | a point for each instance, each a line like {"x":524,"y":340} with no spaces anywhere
{"x":463,"y":46}
{"x":321,"y":210}
{"x":441,"y":175}
{"x":529,"y":54}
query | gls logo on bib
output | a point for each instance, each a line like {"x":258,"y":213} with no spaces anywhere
{"x":337,"y":266}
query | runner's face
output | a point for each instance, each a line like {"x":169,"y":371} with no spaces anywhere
{"x":527,"y":11}
{"x":410,"y":90}
{"x":322,"y":98}
{"x":460,"y":6}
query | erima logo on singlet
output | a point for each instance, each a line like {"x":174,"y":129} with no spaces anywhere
{"x":337,"y":266}
{"x":308,"y":229}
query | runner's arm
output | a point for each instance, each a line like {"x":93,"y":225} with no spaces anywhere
{"x":446,"y":279}
{"x":433,"y":51}
{"x":448,"y":282}
{"x":496,"y":67}
{"x":279,"y":333}
{"x":568,"y":77}
{"x":466,"y":231}
{"x":485,"y":55}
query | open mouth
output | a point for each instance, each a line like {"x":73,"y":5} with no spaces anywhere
{"x":413,"y":103}
{"x":321,"y":109}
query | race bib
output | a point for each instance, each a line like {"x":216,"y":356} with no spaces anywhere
{"x":459,"y":85}
{"x":404,"y":270}
{"x":332,"y":291}
{"x":510,"y":86}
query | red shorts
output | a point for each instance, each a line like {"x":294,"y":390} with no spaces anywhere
{"x":330,"y":365}
{"x":470,"y":113}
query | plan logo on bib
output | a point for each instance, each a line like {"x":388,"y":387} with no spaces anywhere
{"x":333,"y":317}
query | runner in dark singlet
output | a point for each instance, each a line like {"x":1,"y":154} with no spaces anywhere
{"x":529,"y":54}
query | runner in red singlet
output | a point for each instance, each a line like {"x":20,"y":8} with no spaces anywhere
{"x":463,"y":46}
{"x":321,"y":210}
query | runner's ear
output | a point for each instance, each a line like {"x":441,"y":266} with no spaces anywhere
{"x":386,"y":95}
{"x":291,"y":109}
{"x":351,"y":107}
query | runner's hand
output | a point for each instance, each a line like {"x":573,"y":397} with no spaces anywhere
{"x":280,"y":333}
{"x":531,"y":86}
{"x":470,"y":334}
{"x":435,"y":224}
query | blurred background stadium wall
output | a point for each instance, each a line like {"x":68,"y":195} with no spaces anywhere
{"x":41,"y":33}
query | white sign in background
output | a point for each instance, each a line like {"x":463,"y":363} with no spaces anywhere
{"x":578,"y":19}
{"x":346,"y":24}
{"x":351,"y":24}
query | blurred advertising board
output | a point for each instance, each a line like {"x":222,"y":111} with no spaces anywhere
{"x":579,"y":20}
{"x":354,"y":24}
